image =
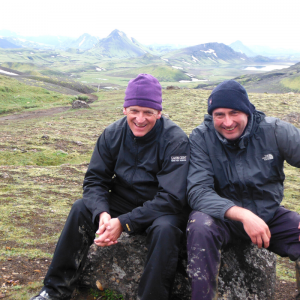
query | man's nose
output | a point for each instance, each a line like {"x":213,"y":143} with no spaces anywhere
{"x":227,"y":121}
{"x":140,"y":117}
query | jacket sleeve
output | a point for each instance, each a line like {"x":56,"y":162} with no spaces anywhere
{"x":200,"y":181}
{"x":288,"y":140}
{"x":98,"y":179}
{"x":170,"y":198}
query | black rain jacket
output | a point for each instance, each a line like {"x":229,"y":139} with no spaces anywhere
{"x":248,"y":173}
{"x":142,"y":178}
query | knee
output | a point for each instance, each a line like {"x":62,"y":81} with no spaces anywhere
{"x":78,"y":206}
{"x":165,"y":233}
{"x":80,"y":214}
{"x":201,"y":225}
{"x":78,"y":203}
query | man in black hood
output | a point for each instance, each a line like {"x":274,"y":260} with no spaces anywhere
{"x":235,"y":185}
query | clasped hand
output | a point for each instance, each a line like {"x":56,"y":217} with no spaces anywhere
{"x":109,"y":230}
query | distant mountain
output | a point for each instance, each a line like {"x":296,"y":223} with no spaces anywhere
{"x":5,"y":44}
{"x":52,"y":40}
{"x":163,"y":49}
{"x":38,"y":42}
{"x":84,"y":42}
{"x":23,"y":43}
{"x":143,"y":47}
{"x":207,"y":54}
{"x":278,"y":53}
{"x":118,"y":45}
{"x":238,"y":46}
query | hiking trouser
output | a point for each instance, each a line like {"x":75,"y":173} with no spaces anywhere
{"x":207,"y":236}
{"x":163,"y":243}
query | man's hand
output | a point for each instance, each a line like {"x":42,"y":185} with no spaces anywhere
{"x":103,"y":219}
{"x":254,"y":226}
{"x":109,"y":231}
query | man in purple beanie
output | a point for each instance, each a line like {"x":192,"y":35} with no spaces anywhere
{"x":235,"y":185}
{"x":135,"y":183}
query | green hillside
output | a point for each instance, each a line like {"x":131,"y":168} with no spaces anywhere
{"x":292,"y":83}
{"x":161,"y":72}
{"x":16,"y":97}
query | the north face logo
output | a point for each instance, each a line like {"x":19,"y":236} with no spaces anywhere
{"x":268,"y":157}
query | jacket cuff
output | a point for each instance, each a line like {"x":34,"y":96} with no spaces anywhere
{"x":97,"y":213}
{"x":126,"y":223}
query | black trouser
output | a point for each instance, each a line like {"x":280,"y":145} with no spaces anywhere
{"x":207,"y":236}
{"x":163,"y":243}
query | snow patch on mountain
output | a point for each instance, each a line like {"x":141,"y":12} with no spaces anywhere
{"x":210,"y":51}
{"x":193,"y":80}
{"x":8,"y":73}
{"x":194,"y":58}
{"x":82,"y":42}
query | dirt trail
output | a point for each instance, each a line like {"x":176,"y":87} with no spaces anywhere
{"x":35,"y":114}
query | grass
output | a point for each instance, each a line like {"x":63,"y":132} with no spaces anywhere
{"x":16,"y":97}
{"x":43,"y":162}
{"x":292,"y":83}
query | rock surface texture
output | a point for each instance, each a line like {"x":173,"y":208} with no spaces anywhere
{"x":79,"y":104}
{"x":246,"y":271}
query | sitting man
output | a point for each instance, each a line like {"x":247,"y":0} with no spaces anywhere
{"x":136,"y":182}
{"x":235,"y":185}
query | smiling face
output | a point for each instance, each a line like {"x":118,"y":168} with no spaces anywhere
{"x":229,"y":122}
{"x":141,"y":119}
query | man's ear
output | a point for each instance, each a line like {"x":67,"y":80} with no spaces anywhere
{"x":124,"y":111}
{"x":158,"y":116}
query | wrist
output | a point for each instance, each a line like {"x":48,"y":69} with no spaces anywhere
{"x":237,"y":213}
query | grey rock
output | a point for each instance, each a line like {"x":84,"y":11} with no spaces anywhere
{"x":246,"y":272}
{"x":79,"y":104}
{"x":172,"y":87}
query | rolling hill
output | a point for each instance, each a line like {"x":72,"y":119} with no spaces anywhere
{"x":277,"y":81}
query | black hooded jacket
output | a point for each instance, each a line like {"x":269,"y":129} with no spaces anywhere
{"x":141,"y":178}
{"x":248,"y":173}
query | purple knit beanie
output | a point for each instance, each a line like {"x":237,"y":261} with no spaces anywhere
{"x":144,"y":90}
{"x":230,"y":94}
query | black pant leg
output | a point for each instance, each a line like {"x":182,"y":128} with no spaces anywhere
{"x":163,"y":242}
{"x":71,"y":252}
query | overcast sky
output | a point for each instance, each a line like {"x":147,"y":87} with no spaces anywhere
{"x":273,"y":23}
